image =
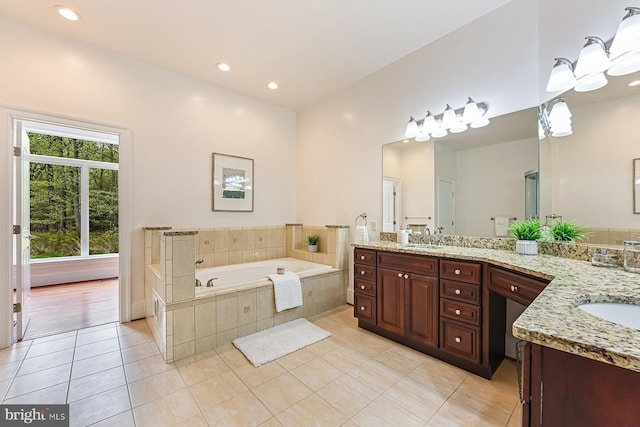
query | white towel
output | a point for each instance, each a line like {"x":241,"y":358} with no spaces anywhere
{"x":501,"y":226}
{"x":287,"y":290}
{"x":362,"y":236}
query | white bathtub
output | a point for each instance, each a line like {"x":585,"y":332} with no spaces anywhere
{"x":244,"y":276}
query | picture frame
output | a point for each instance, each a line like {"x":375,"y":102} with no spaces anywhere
{"x":231,"y":183}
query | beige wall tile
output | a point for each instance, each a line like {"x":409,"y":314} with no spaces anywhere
{"x":282,"y":236}
{"x":265,"y":304}
{"x":182,"y":351}
{"x":226,"y":337}
{"x":247,"y":329}
{"x":282,"y":252}
{"x":272,"y":253}
{"x":248,"y":256}
{"x":248,"y":238}
{"x":260,"y":237}
{"x":205,"y":319}
{"x":260,"y":255}
{"x":264,"y":324}
{"x":184,"y":257}
{"x":226,"y":314}
{"x":183,"y":326}
{"x":600,"y":236}
{"x":205,"y":344}
{"x":221,"y":240}
{"x":618,"y":236}
{"x":235,"y":257}
{"x":272,"y":237}
{"x":247,"y":308}
{"x":209,"y":260}
{"x":220,"y":259}
{"x":184,"y":288}
{"x":235,"y":239}
{"x":206,"y":243}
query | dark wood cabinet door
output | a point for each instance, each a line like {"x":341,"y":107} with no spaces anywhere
{"x":421,"y":296}
{"x":390,"y":301}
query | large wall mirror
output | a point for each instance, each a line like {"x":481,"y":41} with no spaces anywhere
{"x":586,"y":177}
{"x":464,"y":182}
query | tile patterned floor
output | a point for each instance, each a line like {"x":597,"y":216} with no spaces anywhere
{"x":113,"y":375}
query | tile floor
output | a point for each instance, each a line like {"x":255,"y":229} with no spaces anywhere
{"x":113,"y":375}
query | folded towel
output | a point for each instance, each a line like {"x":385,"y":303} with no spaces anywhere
{"x":287,"y":290}
{"x":362,"y":236}
{"x":501,"y":226}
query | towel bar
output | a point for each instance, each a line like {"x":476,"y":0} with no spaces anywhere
{"x":512,"y":218}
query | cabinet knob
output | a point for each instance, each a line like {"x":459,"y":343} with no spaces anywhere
{"x":399,"y":274}
{"x":514,"y":288}
{"x":458,"y":339}
{"x":457,"y":271}
{"x":457,"y":291}
{"x":362,"y":286}
{"x":363,"y":308}
{"x":363,"y":272}
{"x":458,"y":312}
{"x":362,"y":257}
{"x":406,"y":276}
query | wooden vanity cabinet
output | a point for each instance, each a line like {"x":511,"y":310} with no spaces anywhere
{"x":364,"y":285}
{"x":515,"y":286}
{"x":407,"y":297}
{"x":564,"y":389}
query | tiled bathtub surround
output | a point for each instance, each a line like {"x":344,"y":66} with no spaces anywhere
{"x":184,"y":326}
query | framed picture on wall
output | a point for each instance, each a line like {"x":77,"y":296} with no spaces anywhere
{"x":232,"y":183}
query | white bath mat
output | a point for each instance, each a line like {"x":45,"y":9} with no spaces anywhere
{"x":272,"y":343}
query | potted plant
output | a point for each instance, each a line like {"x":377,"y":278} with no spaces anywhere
{"x":566,"y":232}
{"x":312,"y":242}
{"x":526,"y":233}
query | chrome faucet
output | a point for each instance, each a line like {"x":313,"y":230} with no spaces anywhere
{"x":198,"y":262}
{"x":439,"y":231}
{"x":427,"y":231}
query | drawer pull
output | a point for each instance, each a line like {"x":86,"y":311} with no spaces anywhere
{"x":362,"y":257}
{"x":514,"y":288}
{"x":363,"y":308}
{"x":458,"y":340}
{"x":406,"y":276}
{"x":457,"y":271}
{"x":363,"y":272}
{"x":457,"y":291}
{"x":362,"y":287}
{"x":458,"y":312}
{"x":399,"y":274}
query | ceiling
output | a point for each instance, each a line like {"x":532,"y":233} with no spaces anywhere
{"x":311,"y":48}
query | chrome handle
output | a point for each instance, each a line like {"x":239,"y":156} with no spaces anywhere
{"x":363,"y":273}
{"x":406,"y":276}
{"x":458,"y":339}
{"x":399,"y":274}
{"x":363,"y":308}
{"x":362,"y":257}
{"x":362,"y":287}
{"x":457,"y":271}
{"x":457,"y":291}
{"x":458,"y":312}
{"x":514,"y":288}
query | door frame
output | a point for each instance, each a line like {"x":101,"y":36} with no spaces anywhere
{"x":8,"y":115}
{"x":440,"y":180}
{"x":397,"y":185}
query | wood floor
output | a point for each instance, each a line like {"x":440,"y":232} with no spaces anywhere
{"x":63,"y":308}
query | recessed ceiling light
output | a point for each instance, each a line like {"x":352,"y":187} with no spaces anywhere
{"x":273,"y":85}
{"x":634,"y":83}
{"x":67,"y":13}
{"x":405,"y":141}
{"x":222,"y":66}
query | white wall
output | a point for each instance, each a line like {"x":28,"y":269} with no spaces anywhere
{"x":592,"y":168}
{"x":490,"y":183}
{"x":343,"y":135}
{"x":176,"y":123}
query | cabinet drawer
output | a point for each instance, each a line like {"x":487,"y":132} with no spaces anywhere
{"x":461,"y":311}
{"x":460,"y":339}
{"x":459,"y":291}
{"x":425,"y":265}
{"x":364,"y":287}
{"x":364,"y":256}
{"x":364,"y":308}
{"x":515,"y":286}
{"x":365,"y":272}
{"x":462,"y":271}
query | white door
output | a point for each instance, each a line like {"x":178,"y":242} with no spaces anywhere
{"x":390,"y":205}
{"x":446,"y":206}
{"x":21,"y":202}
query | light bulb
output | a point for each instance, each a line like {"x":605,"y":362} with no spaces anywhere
{"x":593,"y":82}
{"x":448,"y":117}
{"x":412,"y":128}
{"x":630,"y":64}
{"x":471,"y":111}
{"x":593,"y":57}
{"x":561,"y":77}
{"x":628,"y":34}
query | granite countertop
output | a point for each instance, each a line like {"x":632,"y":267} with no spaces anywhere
{"x":553,"y":319}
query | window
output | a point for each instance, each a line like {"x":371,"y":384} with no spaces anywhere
{"x":74,"y":196}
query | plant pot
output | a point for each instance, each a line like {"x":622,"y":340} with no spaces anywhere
{"x":527,"y":247}
{"x":313,"y":248}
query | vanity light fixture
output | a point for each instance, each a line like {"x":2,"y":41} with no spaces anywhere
{"x":559,"y":118}
{"x":622,"y":58}
{"x":454,"y":121}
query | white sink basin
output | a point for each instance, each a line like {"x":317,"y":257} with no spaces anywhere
{"x":623,"y":314}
